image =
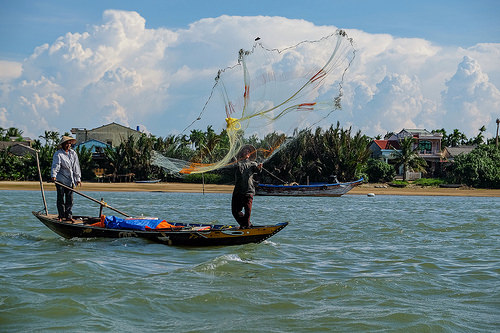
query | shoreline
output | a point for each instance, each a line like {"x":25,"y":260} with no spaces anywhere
{"x":363,"y":189}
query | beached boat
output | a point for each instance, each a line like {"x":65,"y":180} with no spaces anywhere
{"x":314,"y":190}
{"x":180,"y":234}
{"x":152,"y":181}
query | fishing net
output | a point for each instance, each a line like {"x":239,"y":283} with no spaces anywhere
{"x":273,"y":91}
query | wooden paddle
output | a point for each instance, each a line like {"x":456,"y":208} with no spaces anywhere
{"x":102,"y":203}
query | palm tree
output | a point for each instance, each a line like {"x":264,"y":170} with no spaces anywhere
{"x":445,"y":139}
{"x":456,"y":138}
{"x":479,"y":138}
{"x":13,"y":132}
{"x":408,"y":157}
{"x":197,"y":138}
{"x":116,"y":159}
{"x":87,"y":164}
{"x":51,"y":138}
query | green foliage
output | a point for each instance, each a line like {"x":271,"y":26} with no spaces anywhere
{"x":453,"y":139}
{"x":10,"y":166}
{"x":208,"y":178}
{"x":320,"y":155}
{"x":11,"y":132}
{"x":408,"y":157}
{"x":399,"y":183}
{"x":379,"y":171}
{"x":480,"y":168}
{"x":428,"y":182}
{"x":457,"y":138}
{"x":317,"y":154}
{"x":45,"y":155}
{"x":86,"y":163}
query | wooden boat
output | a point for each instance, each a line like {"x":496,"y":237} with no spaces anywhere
{"x":180,"y":234}
{"x":315,"y":190}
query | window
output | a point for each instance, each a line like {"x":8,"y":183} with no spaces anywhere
{"x":425,"y":147}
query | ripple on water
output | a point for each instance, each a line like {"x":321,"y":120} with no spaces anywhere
{"x":343,"y":264}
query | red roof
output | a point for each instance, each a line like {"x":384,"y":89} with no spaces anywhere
{"x":386,"y":144}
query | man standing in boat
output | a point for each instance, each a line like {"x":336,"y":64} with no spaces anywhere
{"x":244,"y":188}
{"x":65,"y":170}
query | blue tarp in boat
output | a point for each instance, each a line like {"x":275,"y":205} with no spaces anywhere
{"x":114,"y":222}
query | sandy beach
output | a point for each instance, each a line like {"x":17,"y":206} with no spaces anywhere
{"x":364,"y":189}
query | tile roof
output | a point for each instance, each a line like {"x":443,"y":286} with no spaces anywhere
{"x":455,"y":151}
{"x":387,"y":144}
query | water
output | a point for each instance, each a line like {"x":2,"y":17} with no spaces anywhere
{"x":389,"y":263}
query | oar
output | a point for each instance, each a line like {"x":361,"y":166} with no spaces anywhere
{"x":102,"y":203}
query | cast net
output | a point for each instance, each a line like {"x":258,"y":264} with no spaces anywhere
{"x":272,"y":91}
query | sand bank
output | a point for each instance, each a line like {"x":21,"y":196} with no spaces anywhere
{"x":122,"y":187}
{"x":363,"y":189}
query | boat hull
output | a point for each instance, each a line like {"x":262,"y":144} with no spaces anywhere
{"x":321,"y":190}
{"x":187,"y":235}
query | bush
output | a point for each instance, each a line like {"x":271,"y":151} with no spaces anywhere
{"x":378,"y":171}
{"x":480,"y":168}
{"x":209,"y":178}
{"x":429,"y":182}
{"x":399,"y":183}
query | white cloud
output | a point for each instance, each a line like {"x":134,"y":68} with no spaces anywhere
{"x":470,"y":100}
{"x":10,"y":70}
{"x":397,"y":102}
{"x":114,"y":112}
{"x":122,"y":71}
{"x":3,"y":118}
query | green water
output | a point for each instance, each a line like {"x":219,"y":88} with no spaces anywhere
{"x":349,"y":264}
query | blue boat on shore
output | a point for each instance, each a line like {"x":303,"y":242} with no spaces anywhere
{"x":314,"y":190}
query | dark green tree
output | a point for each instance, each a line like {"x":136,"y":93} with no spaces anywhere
{"x":479,"y":168}
{"x":87,"y":164}
{"x":456,"y":138}
{"x":379,"y":171}
{"x":479,"y":139}
{"x":408,"y":157}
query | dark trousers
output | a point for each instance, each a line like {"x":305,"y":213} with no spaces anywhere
{"x":64,"y":202}
{"x":238,"y":203}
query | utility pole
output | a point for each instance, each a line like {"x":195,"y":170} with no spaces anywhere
{"x":498,"y":123}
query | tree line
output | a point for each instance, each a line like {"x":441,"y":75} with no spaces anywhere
{"x":315,"y":155}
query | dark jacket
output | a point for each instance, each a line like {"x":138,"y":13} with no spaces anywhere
{"x":244,"y":183}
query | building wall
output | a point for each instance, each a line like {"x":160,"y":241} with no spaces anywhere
{"x":112,"y":134}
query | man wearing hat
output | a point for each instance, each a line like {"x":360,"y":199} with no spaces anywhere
{"x":66,"y":170}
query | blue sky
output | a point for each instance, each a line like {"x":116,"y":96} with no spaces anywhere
{"x":428,"y":50}
{"x":26,"y":24}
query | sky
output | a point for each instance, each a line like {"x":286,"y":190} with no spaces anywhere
{"x":152,"y":64}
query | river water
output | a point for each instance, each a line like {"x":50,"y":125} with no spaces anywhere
{"x":348,"y":264}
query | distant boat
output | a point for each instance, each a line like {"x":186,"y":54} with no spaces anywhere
{"x":148,"y":181}
{"x":314,"y":190}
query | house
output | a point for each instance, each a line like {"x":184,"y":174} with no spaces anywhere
{"x":384,"y":149}
{"x":426,"y":143}
{"x":4,"y":145}
{"x":112,"y":134}
{"x":96,"y":147}
{"x":449,"y":153}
